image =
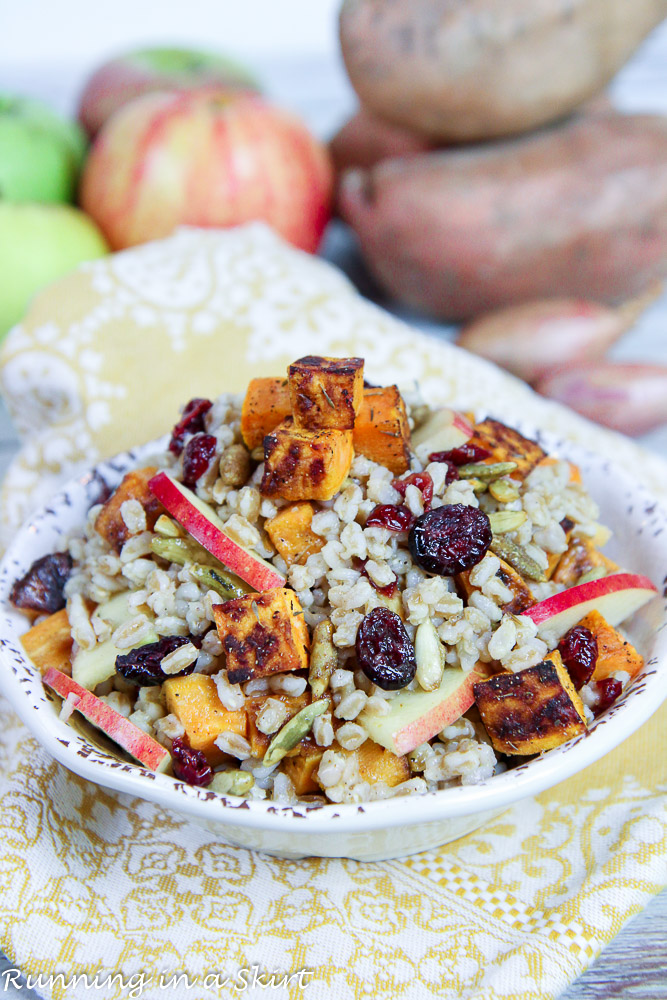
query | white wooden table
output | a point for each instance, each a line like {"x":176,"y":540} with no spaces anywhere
{"x":634,"y":966}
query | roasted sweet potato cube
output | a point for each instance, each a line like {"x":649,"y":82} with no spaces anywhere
{"x":134,"y":486}
{"x":381,"y":430}
{"x":532,"y":710}
{"x":507,"y":445}
{"x":614,"y":651}
{"x":194,"y":700}
{"x":377,"y":764}
{"x":326,"y":392}
{"x":301,"y":768}
{"x":581,"y":557}
{"x":263,"y":634}
{"x":305,"y":465}
{"x":265,"y":405}
{"x":291,"y":533}
{"x":522,"y":597}
{"x":49,"y":644}
{"x":259,"y":741}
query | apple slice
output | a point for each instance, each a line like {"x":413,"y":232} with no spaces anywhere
{"x":200,"y":520}
{"x":444,"y":430}
{"x":91,"y":667}
{"x":135,"y":741}
{"x":416,"y":716}
{"x":615,"y":597}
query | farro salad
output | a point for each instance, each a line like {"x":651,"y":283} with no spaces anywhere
{"x":326,"y":591}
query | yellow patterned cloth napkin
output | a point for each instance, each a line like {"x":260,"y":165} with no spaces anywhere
{"x":97,"y":884}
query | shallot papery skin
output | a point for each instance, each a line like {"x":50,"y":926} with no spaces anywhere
{"x":630,"y":398}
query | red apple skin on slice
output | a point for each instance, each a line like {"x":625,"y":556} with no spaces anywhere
{"x":417,"y":716}
{"x":123,"y":732}
{"x":615,"y":597}
{"x":201,"y":521}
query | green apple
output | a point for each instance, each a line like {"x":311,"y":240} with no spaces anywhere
{"x":128,"y":76}
{"x":39,"y":243}
{"x":41,"y":154}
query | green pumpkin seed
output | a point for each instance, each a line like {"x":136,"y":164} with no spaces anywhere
{"x":503,"y":521}
{"x":323,"y":659}
{"x":293,"y":732}
{"x":167,"y":528}
{"x":177,"y":550}
{"x":504,"y":491}
{"x":478,"y":470}
{"x":478,"y":486}
{"x":518,"y":558}
{"x":593,"y":574}
{"x":225,"y":584}
{"x":232,"y":782}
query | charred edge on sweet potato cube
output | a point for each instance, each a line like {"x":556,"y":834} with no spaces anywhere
{"x":134,"y":486}
{"x":506,"y":445}
{"x":531,"y":710}
{"x":326,"y":392}
{"x":263,"y":634}
{"x":305,"y":465}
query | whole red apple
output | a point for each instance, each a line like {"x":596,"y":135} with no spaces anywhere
{"x":144,"y":71}
{"x":206,"y":158}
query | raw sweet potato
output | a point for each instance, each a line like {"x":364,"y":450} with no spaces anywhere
{"x":558,"y":213}
{"x":366,"y":139}
{"x":266,"y":403}
{"x":381,"y":430}
{"x":482,"y":69}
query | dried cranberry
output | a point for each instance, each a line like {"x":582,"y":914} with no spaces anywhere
{"x":190,"y":765}
{"x":191,"y":422}
{"x":42,"y":588}
{"x":608,"y":690}
{"x":579,"y":651}
{"x":198,"y":455}
{"x":142,"y":665}
{"x":462,"y":455}
{"x":384,"y":650}
{"x":388,"y":515}
{"x":387,"y":591}
{"x":449,"y":539}
{"x":421,"y":480}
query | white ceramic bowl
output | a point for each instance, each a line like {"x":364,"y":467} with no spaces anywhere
{"x":376,"y":830}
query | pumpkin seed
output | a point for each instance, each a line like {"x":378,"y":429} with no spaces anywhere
{"x":478,"y":470}
{"x":232,"y":782}
{"x":503,"y":521}
{"x":167,"y":528}
{"x":323,"y":658}
{"x":177,"y":550}
{"x":518,"y":558}
{"x":504,"y":491}
{"x":293,"y":732}
{"x":430,"y":656}
{"x":225,"y":584}
{"x":593,"y":574}
{"x":478,"y":486}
